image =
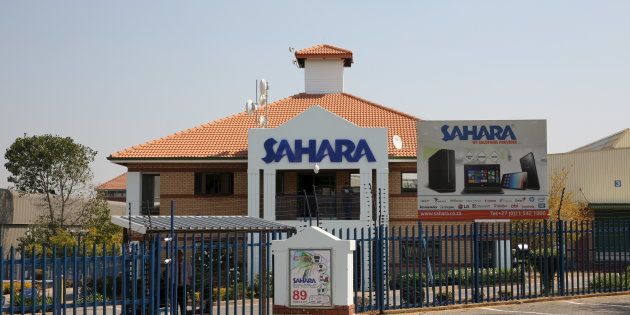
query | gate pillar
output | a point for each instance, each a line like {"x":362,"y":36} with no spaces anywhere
{"x":313,"y":274}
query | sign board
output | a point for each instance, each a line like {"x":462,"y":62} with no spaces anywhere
{"x":317,"y":136}
{"x":490,"y":169}
{"x":30,"y":292}
{"x":617,"y":183}
{"x":310,"y":278}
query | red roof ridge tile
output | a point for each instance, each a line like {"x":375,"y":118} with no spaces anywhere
{"x":111,"y":181}
{"x":309,"y":49}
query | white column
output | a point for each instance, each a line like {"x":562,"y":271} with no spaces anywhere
{"x":382,"y":196}
{"x":366,"y":194}
{"x":134,"y":192}
{"x":253,"y":210}
{"x":270,"y":194}
{"x":253,"y":193}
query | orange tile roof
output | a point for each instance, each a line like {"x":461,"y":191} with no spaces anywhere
{"x":324,"y":51}
{"x":227,"y":137}
{"x":117,"y":183}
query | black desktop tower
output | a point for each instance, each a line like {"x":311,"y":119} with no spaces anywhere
{"x":442,"y":171}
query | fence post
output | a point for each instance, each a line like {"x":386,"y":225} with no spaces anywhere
{"x":476,"y":263}
{"x":561,"y":257}
{"x":380,"y":291}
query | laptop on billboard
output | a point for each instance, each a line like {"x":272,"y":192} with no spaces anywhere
{"x":482,"y":179}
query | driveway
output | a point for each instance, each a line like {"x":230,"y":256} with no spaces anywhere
{"x":618,"y":304}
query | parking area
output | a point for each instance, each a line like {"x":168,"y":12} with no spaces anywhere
{"x":618,"y":304}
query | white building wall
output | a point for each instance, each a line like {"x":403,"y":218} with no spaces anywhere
{"x":134,"y":191}
{"x":595,"y":173}
{"x":323,"y":76}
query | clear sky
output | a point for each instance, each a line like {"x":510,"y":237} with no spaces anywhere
{"x":118,"y":73}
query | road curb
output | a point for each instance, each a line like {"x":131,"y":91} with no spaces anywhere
{"x":430,"y":309}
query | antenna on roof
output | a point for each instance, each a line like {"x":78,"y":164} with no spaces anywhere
{"x":251,"y":107}
{"x":293,"y":61}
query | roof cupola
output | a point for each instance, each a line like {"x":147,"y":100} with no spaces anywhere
{"x":323,"y":68}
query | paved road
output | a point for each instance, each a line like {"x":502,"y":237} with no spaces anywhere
{"x":619,"y":304}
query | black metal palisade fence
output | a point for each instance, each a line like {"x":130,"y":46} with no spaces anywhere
{"x":420,"y":265}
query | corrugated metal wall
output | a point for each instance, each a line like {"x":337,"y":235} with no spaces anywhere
{"x":15,"y":210}
{"x":595,"y":173}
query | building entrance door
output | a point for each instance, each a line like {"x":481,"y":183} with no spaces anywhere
{"x":314,"y":189}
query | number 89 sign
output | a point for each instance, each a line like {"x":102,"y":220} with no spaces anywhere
{"x":310,"y":278}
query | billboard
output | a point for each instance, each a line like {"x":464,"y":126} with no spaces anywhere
{"x":488,"y":169}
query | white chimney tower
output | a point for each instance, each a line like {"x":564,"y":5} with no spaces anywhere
{"x":323,"y":68}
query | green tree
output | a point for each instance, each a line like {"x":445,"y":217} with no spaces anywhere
{"x":100,"y":229}
{"x":58,"y":169}
{"x":54,"y":166}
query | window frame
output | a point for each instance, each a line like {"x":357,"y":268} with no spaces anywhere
{"x":200,"y":187}
{"x":404,"y":190}
{"x":416,"y":249}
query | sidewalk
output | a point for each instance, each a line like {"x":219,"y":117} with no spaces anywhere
{"x":616,"y":304}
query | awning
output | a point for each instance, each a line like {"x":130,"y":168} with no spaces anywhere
{"x":145,"y":224}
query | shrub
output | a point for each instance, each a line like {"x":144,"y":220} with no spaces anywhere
{"x":462,"y":277}
{"x":412,"y":294}
{"x":269,"y":284}
{"x":505,"y":295}
{"x":480,"y":295}
{"x":610,"y":282}
{"x":90,"y":298}
{"x":18,"y":300}
{"x":17,"y":287}
{"x":444,"y":298}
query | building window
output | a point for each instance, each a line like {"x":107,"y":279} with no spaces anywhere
{"x":150,"y":194}
{"x":409,"y":182}
{"x":214,"y":183}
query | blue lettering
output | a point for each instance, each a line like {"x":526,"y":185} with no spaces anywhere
{"x":300,"y":150}
{"x":284,"y":149}
{"x":363,"y":150}
{"x":325,"y":149}
{"x":304,"y":280}
{"x":270,"y":153}
{"x":342,"y":149}
{"x":464,"y":133}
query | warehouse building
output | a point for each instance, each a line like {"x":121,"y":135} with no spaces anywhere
{"x":599,"y":174}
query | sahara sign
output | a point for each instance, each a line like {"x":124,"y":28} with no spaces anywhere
{"x":336,"y":150}
{"x":310,"y":278}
